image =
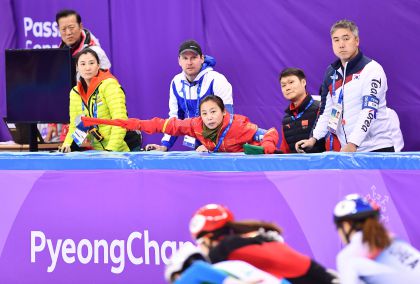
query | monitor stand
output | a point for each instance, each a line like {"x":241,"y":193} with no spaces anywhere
{"x":33,"y":137}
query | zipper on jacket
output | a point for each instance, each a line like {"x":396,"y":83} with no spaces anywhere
{"x":95,"y":93}
{"x":342,"y":102}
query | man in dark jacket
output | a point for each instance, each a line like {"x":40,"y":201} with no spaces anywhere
{"x":301,"y":114}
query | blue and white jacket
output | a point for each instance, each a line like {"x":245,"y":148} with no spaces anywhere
{"x":364,"y":119}
{"x":399,"y":263}
{"x":184,"y":97}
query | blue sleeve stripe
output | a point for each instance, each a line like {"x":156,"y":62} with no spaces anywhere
{"x":229,"y":108}
{"x":169,"y":143}
{"x":258,"y":136}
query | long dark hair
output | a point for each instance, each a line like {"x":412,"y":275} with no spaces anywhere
{"x":375,"y":235}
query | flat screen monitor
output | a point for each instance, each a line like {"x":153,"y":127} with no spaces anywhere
{"x":38,"y":83}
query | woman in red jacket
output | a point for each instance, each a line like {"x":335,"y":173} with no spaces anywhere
{"x":258,"y":243}
{"x":216,"y":129}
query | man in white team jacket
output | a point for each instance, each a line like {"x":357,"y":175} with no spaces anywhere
{"x":353,"y":98}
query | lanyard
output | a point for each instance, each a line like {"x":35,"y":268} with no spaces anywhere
{"x":340,"y":97}
{"x":331,"y":141}
{"x":95,"y":106}
{"x":299,"y":115}
{"x":198,"y":96}
{"x":223,"y":135}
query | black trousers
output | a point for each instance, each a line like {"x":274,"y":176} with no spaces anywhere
{"x":387,"y":149}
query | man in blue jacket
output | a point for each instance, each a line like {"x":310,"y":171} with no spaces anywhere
{"x":196,"y":81}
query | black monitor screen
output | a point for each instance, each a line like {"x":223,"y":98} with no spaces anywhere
{"x":38,"y":83}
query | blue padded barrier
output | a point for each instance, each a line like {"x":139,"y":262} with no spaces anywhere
{"x":208,"y":161}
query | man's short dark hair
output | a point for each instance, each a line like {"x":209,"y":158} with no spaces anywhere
{"x":65,"y":13}
{"x":292,"y":72}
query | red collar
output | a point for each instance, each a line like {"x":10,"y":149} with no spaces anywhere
{"x":294,"y":108}
{"x":94,"y":83}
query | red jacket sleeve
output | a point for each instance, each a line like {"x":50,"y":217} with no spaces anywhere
{"x":270,"y":140}
{"x":336,"y":144}
{"x":171,"y":126}
{"x":284,"y":147}
{"x":275,"y":258}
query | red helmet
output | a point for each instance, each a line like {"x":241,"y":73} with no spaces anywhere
{"x":209,"y":218}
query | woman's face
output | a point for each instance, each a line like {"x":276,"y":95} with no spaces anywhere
{"x":211,"y":114}
{"x":88,"y":66}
